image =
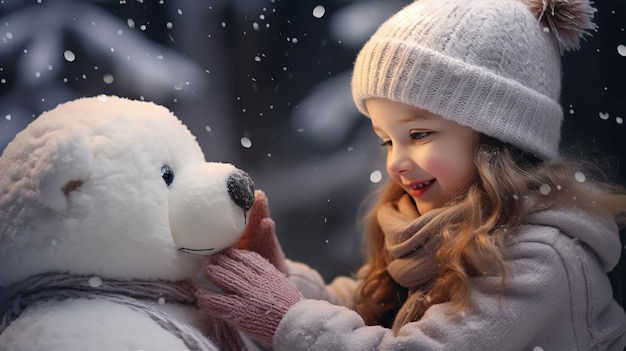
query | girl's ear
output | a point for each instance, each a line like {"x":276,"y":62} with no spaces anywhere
{"x":63,"y":163}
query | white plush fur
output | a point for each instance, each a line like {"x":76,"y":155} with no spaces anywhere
{"x":95,"y":325}
{"x":81,"y":191}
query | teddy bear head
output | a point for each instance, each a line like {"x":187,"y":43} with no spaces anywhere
{"x":117,"y":188}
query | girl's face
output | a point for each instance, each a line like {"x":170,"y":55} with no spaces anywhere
{"x":430,"y":157}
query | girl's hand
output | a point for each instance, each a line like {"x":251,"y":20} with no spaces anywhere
{"x":260,"y":234}
{"x":255,"y":295}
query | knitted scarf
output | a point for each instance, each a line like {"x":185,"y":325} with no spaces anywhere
{"x":412,"y":241}
{"x":134,"y":294}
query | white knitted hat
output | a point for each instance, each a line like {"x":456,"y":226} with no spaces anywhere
{"x":491,"y":65}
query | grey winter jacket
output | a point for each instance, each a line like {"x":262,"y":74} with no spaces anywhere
{"x":557,"y":297}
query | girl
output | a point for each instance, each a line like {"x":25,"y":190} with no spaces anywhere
{"x":484,"y":239}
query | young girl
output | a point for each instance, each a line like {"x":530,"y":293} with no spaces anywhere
{"x":485,"y":238}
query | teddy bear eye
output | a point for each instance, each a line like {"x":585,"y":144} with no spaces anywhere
{"x":167,"y":174}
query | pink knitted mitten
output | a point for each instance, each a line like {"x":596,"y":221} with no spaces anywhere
{"x":255,"y":294}
{"x":260,"y":234}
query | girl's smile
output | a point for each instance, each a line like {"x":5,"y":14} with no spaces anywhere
{"x":416,"y":189}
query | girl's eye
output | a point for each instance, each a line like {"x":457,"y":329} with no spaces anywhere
{"x":419,"y":135}
{"x":385,"y":143}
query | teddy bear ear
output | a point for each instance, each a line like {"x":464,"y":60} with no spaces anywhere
{"x":65,"y":163}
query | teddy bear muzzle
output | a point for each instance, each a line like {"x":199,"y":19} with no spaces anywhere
{"x":209,"y":206}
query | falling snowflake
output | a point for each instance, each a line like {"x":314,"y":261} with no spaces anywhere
{"x":319,"y":11}
{"x":69,"y":56}
{"x":545,"y":189}
{"x":108,"y":78}
{"x":246,"y":142}
{"x":580,"y":177}
{"x":95,"y":282}
{"x":376,"y":176}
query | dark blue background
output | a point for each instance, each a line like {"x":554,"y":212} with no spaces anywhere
{"x":271,"y":72}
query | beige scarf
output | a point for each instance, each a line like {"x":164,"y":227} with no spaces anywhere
{"x":412,"y":240}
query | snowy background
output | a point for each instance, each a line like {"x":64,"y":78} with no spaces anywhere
{"x":264,"y":84}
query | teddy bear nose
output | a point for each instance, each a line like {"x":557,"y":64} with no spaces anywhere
{"x":241,"y":189}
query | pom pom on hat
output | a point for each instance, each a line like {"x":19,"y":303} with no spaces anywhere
{"x":487,"y":64}
{"x":568,"y":20}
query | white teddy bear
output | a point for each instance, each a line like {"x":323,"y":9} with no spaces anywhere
{"x":107,"y":212}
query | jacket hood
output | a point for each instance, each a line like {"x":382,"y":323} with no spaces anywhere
{"x":600,"y":233}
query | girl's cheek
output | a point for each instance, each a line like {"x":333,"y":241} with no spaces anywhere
{"x":450,"y":161}
{"x":436,"y":165}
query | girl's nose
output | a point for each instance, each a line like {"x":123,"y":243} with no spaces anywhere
{"x":399,"y":163}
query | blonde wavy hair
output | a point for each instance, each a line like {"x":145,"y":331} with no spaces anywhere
{"x":510,"y":185}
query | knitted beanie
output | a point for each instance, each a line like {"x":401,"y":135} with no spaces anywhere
{"x":491,"y":65}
